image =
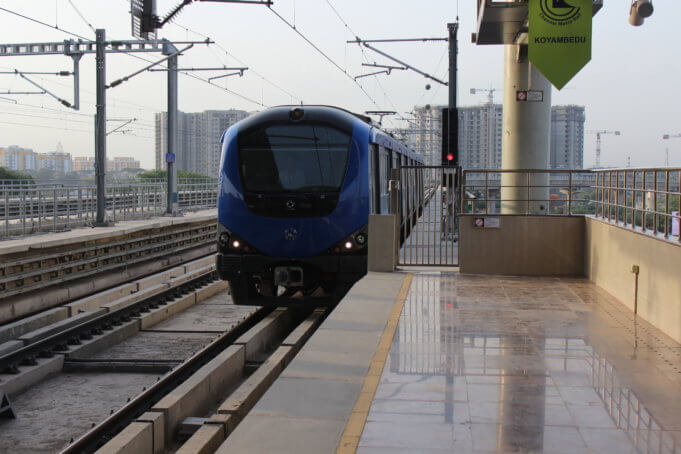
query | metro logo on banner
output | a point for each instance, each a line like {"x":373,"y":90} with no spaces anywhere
{"x":559,"y":37}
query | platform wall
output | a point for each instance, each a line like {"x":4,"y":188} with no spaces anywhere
{"x":523,"y":245}
{"x":610,"y":253}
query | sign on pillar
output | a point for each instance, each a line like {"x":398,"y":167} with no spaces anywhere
{"x":559,"y":37}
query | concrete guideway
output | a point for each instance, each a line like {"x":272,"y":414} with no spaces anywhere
{"x":40,"y":272}
{"x":475,"y":364}
{"x":95,"y":378}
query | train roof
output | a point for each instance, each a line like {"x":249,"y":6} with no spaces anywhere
{"x":335,"y":114}
{"x":382,"y":138}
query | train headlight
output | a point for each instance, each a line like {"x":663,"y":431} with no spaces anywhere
{"x":352,"y":244}
{"x":236,"y":244}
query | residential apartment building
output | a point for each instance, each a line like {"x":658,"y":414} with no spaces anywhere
{"x":18,"y":158}
{"x":122,"y":163}
{"x":57,"y":161}
{"x":198,"y":141}
{"x":567,"y":137}
{"x":84,"y":164}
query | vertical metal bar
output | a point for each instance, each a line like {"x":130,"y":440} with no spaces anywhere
{"x":632,"y":199}
{"x":486,"y":190}
{"x":7,"y":192}
{"x":655,"y":217}
{"x":68,"y":206}
{"x":23,"y":211}
{"x":100,"y":128}
{"x":172,"y":197}
{"x":666,"y":203}
{"x":80,"y":205}
{"x":40,"y":211}
{"x":569,"y":210}
{"x":643,"y":203}
{"x":54,"y":208}
{"x":617,"y":196}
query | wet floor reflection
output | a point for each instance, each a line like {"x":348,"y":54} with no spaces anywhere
{"x":517,"y":365}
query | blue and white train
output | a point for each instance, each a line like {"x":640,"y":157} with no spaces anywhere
{"x":297,"y":185}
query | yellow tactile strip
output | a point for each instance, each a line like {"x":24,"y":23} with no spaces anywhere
{"x":355,"y":425}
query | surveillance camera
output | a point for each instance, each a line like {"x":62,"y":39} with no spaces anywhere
{"x":639,"y":11}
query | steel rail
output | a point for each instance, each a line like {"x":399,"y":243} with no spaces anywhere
{"x":47,"y":347}
{"x":97,"y":436}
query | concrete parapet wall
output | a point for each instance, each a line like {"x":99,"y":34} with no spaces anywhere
{"x":523,"y":245}
{"x":610,"y":253}
{"x":382,"y":242}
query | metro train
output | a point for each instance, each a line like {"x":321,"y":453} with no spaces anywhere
{"x":296,"y":187}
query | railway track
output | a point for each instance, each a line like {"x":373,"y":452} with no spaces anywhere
{"x":226,"y":345}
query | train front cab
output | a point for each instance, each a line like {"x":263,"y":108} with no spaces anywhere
{"x":275,"y":258}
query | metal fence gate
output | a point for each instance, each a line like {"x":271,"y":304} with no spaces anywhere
{"x":428,"y":207}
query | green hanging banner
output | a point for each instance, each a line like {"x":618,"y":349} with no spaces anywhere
{"x":559,"y":37}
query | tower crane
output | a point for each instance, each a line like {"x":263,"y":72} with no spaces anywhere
{"x":490,"y":93}
{"x":598,"y":143}
{"x":666,"y":150}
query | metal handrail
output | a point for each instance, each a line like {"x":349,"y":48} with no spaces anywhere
{"x":28,"y":208}
{"x":641,"y":199}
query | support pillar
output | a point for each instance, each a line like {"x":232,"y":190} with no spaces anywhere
{"x":100,"y":128}
{"x":526,"y":141}
{"x":172,"y":197}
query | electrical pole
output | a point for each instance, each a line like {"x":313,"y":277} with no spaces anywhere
{"x":100,"y":128}
{"x":172,"y":199}
{"x":453,"y":117}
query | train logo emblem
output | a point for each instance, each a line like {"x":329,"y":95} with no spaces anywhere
{"x":290,"y":234}
{"x":290,"y":204}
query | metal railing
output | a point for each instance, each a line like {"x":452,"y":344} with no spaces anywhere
{"x":528,"y":192}
{"x":646,"y":200}
{"x":27,"y":208}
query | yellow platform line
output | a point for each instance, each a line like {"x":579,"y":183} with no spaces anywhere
{"x":355,"y":425}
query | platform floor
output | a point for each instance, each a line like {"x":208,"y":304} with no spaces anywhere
{"x":479,"y":364}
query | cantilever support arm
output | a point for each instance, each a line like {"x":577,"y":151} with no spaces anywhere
{"x":148,"y":67}
{"x":406,"y":65}
{"x":63,"y":101}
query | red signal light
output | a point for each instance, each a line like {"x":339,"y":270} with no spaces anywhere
{"x":450,"y":157}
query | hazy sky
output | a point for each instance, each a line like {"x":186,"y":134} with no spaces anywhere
{"x":632,"y":83}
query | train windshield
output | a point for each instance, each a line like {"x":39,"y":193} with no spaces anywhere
{"x":293,"y":158}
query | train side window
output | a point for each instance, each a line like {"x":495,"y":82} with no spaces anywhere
{"x":384,"y":175}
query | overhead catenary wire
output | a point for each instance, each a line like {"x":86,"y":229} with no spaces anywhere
{"x":82,"y":17}
{"x":365,"y":58}
{"x":229,"y":54}
{"x":321,"y":52}
{"x":232,"y":92}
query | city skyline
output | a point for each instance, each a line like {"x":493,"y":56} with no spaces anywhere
{"x":640,"y":102}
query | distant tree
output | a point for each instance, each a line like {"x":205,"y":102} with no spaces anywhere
{"x":163,"y":174}
{"x":153,"y":175}
{"x":7,"y":174}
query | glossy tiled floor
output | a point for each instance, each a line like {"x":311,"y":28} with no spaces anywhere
{"x":494,"y":364}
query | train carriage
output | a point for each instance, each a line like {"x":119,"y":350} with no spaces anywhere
{"x":297,"y":185}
